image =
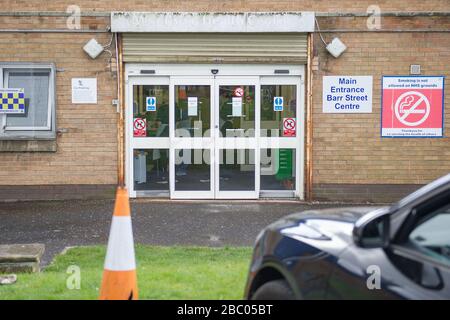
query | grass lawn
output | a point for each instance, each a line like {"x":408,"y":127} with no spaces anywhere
{"x":163,"y":273}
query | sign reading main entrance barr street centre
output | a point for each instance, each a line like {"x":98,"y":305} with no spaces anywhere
{"x":347,"y":94}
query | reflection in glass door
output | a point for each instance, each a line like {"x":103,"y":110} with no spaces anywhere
{"x":235,"y":141}
{"x":237,"y":170}
{"x":215,"y":137}
{"x":149,"y":128}
{"x":279,"y":138}
{"x":192,"y":142}
{"x":236,"y":106}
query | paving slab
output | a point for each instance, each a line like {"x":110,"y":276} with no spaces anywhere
{"x":21,"y":257}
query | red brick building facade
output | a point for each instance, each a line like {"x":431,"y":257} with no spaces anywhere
{"x":344,"y":156}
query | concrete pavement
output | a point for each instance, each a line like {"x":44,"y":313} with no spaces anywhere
{"x":59,"y":224}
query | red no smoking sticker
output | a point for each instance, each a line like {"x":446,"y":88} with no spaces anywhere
{"x":412,"y":106}
{"x":289,"y":127}
{"x":238,"y":92}
{"x":139,"y":127}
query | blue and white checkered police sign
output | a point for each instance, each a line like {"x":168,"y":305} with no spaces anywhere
{"x":277,"y":103}
{"x":151,"y":104}
{"x":12,"y":101}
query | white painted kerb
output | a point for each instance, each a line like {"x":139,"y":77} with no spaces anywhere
{"x":212,"y":22}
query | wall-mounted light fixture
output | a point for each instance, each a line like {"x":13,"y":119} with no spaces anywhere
{"x":336,"y":47}
{"x":93,"y":48}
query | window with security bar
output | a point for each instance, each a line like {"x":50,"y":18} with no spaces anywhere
{"x":27,"y":101}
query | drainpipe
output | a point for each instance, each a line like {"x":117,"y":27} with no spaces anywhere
{"x":120,"y":122}
{"x":309,"y":124}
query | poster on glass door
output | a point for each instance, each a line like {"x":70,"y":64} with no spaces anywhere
{"x":139,"y":127}
{"x":237,"y":107}
{"x":192,"y":106}
{"x":289,"y":127}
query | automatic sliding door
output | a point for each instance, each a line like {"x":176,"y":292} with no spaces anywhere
{"x":148,"y":132}
{"x":236,"y":143}
{"x":192,"y":174}
{"x":223,"y":136}
{"x":280,"y":136}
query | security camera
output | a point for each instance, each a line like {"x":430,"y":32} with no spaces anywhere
{"x":214,"y":71}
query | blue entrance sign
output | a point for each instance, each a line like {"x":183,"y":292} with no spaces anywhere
{"x":277,"y":103}
{"x":151,"y":104}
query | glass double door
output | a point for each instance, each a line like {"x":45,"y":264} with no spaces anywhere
{"x":212,"y":137}
{"x":213,"y":145}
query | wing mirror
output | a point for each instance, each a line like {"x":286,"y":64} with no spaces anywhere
{"x":372,"y":230}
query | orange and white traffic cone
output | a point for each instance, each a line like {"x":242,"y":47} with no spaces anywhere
{"x":119,"y":277}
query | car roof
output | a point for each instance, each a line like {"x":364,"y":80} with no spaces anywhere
{"x":429,"y":190}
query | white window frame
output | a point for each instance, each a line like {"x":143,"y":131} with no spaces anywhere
{"x":30,"y":133}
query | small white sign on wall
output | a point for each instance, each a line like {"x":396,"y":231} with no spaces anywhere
{"x":84,"y":90}
{"x":347,"y":94}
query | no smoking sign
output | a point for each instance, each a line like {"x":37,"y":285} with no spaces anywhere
{"x":412,"y":106}
{"x":289,"y":127}
{"x":238,"y":92}
{"x":139,"y":127}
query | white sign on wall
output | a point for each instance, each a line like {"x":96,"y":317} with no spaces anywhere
{"x":212,"y":21}
{"x":347,"y":94}
{"x":84,"y":90}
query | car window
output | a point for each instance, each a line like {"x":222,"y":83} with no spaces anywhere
{"x":432,"y":235}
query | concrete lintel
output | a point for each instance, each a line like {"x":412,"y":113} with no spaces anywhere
{"x":212,"y":22}
{"x":28,"y":145}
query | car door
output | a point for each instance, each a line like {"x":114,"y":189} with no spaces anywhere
{"x":416,"y":265}
{"x":421,"y":250}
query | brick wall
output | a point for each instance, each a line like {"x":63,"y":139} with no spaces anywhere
{"x":227,"y":5}
{"x":348,"y":150}
{"x":87,"y":153}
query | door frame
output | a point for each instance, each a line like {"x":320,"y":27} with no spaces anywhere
{"x":152,"y":73}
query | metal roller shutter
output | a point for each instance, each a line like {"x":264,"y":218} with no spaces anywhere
{"x":215,"y":47}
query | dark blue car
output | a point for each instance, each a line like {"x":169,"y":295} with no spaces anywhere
{"x":397,"y":252}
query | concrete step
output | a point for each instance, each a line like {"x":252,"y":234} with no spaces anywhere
{"x":16,"y":258}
